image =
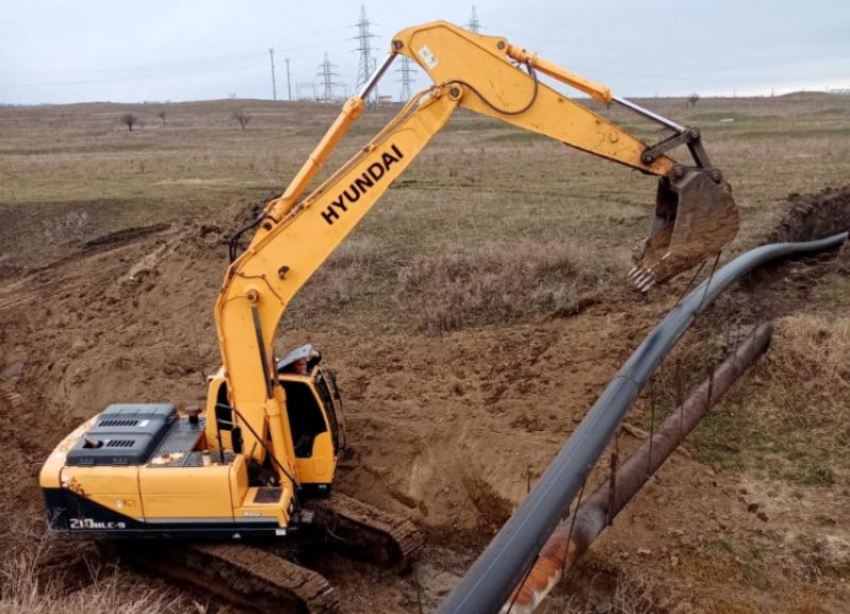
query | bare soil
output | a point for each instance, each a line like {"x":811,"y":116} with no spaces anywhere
{"x":449,"y":427}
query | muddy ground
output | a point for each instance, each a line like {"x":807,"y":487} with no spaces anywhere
{"x":451,"y":427}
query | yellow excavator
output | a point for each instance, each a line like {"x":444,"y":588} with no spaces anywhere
{"x":245,"y":482}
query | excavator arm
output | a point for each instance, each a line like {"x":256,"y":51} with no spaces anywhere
{"x":484,"y":74}
{"x":488,"y":68}
{"x":695,"y":213}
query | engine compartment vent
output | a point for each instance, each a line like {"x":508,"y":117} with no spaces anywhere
{"x":117,"y":423}
{"x":124,"y":434}
{"x":120,"y":443}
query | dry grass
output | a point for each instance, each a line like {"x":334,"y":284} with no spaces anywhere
{"x":816,"y":557}
{"x":816,"y":351}
{"x":487,"y":226}
{"x":452,"y":289}
{"x":460,"y":289}
{"x":27,"y":588}
{"x":627,"y":593}
{"x":477,"y":183}
{"x":351,"y":270}
{"x":789,"y":419}
{"x":70,"y":173}
{"x":803,"y":399}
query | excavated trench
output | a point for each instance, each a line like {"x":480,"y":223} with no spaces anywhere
{"x":783,"y":288}
{"x":81,"y":331}
{"x":814,"y":216}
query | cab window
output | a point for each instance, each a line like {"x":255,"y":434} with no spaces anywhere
{"x":305,"y":417}
{"x":327,"y":399}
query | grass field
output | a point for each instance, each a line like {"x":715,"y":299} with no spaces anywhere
{"x":489,"y":286}
{"x":68,"y":172}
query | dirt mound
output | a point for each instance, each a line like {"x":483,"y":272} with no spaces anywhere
{"x":814,"y":216}
{"x":8,"y":269}
{"x":243,"y":211}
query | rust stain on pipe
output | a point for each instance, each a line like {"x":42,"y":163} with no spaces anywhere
{"x":574,"y":535}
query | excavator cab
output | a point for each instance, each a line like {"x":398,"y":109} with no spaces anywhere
{"x":314,"y":421}
{"x":314,"y":413}
{"x":316,"y":397}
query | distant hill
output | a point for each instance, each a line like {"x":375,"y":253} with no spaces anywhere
{"x":801,"y":95}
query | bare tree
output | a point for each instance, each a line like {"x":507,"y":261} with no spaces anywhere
{"x":243,"y":117}
{"x":130,"y":120}
{"x":693,"y":99}
{"x":161,"y":115}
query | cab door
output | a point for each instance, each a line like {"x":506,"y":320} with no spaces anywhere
{"x":312,"y":439}
{"x":332,"y":400}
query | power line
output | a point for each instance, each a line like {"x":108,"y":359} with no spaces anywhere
{"x":474,"y":25}
{"x":179,"y":66}
{"x":155,"y":72}
{"x":364,"y":46}
{"x":166,"y":75}
{"x":310,"y":88}
{"x":182,"y":68}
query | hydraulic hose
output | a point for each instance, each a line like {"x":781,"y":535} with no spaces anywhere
{"x":487,"y":585}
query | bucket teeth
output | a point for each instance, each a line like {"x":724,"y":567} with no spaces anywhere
{"x":646,"y":285}
{"x":643,"y":279}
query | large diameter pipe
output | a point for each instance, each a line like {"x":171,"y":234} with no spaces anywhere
{"x":500,"y":568}
{"x":574,"y":535}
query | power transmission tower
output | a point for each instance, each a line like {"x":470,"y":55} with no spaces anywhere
{"x":274,"y":82}
{"x":474,"y":25}
{"x":364,"y":46}
{"x":405,"y":69}
{"x":327,"y":74}
{"x":288,"y":82}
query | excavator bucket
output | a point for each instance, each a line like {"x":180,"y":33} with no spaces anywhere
{"x":695,"y":217}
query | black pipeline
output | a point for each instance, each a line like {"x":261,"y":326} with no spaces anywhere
{"x":487,"y":585}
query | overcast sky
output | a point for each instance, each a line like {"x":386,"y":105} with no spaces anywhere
{"x":55,"y":51}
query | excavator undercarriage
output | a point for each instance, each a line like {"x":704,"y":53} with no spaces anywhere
{"x":263,"y":575}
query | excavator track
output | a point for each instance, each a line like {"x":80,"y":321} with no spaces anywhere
{"x":366,"y":532}
{"x":243,"y":574}
{"x":259,"y":575}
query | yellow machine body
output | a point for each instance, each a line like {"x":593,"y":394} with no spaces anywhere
{"x":162,"y":497}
